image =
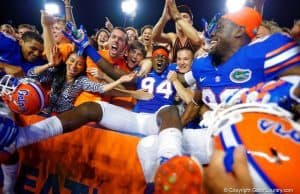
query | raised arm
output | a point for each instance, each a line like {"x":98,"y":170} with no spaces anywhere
{"x":157,"y":34}
{"x":47,"y":21}
{"x":68,"y":12}
{"x":186,"y":27}
{"x":108,"y":24}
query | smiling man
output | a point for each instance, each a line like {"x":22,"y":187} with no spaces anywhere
{"x":233,"y":63}
{"x":16,"y":57}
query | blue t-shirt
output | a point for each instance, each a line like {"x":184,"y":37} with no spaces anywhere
{"x":160,"y":87}
{"x":260,"y":61}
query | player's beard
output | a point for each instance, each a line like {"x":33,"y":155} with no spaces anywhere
{"x":216,"y":58}
{"x":218,"y":53}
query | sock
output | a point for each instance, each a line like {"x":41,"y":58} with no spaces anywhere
{"x":44,"y":129}
{"x":147,"y":152}
{"x":169,"y":144}
{"x":198,"y":143}
{"x":9,"y":177}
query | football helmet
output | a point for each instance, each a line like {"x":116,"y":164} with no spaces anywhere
{"x":24,"y":96}
{"x":180,"y":174}
{"x":271,"y":139}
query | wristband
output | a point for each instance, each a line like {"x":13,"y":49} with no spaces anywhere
{"x":228,"y":159}
{"x":92,"y":53}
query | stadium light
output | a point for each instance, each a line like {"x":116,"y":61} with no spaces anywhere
{"x":129,"y":7}
{"x":235,"y":5}
{"x":52,"y":8}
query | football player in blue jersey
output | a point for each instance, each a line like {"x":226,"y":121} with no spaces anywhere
{"x":17,"y":57}
{"x":246,"y":67}
{"x":234,"y":63}
{"x":156,"y":82}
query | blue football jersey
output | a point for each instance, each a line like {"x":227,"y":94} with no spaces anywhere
{"x":10,"y":53}
{"x":162,"y":90}
{"x":260,"y":61}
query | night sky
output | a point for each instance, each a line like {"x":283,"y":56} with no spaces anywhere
{"x":91,"y":13}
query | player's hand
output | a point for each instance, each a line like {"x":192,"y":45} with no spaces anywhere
{"x":207,"y":119}
{"x":218,"y":180}
{"x":172,"y":76}
{"x":78,"y":36}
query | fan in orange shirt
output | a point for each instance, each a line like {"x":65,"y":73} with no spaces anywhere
{"x":114,"y":55}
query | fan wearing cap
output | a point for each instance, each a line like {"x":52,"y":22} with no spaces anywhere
{"x":233,"y":63}
{"x":186,"y":35}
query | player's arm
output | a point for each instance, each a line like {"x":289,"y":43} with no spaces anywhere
{"x":280,"y":53}
{"x":11,"y":69}
{"x":284,"y":92}
{"x":185,"y":94}
{"x":187,"y":79}
{"x":192,"y":109}
{"x":291,"y":71}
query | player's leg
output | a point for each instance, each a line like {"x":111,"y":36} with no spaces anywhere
{"x":166,"y":143}
{"x":62,"y":123}
{"x":170,"y":135}
{"x":198,"y":143}
{"x":10,"y":173}
{"x":125,"y":121}
{"x":176,"y":173}
{"x":107,"y":115}
{"x":10,"y":161}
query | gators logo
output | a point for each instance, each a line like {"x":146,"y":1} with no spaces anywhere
{"x":240,"y":75}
